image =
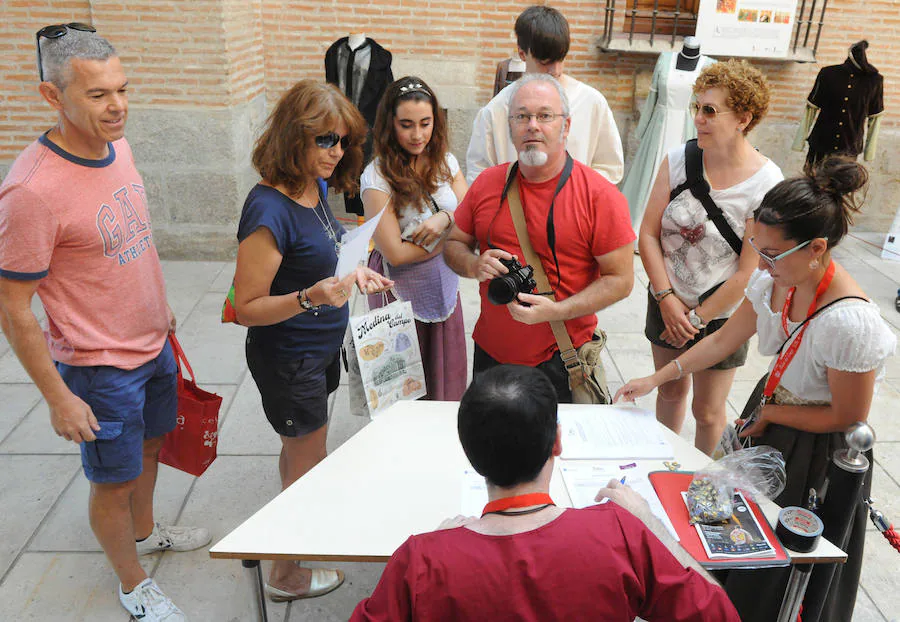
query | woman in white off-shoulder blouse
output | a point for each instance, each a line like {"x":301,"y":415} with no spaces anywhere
{"x":830,"y":381}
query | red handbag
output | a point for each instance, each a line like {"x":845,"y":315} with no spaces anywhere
{"x":191,"y":446}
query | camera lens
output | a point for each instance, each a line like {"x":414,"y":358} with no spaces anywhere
{"x":502,"y":290}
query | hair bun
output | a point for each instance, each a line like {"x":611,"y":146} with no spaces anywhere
{"x":839,"y":175}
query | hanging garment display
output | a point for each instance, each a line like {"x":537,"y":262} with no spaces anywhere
{"x":665,"y":123}
{"x":844,"y":109}
{"x":362,"y":73}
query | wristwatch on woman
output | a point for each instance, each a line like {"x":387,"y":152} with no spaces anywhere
{"x":306,"y":304}
{"x":695,"y":319}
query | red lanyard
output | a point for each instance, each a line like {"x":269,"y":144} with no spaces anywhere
{"x":785,"y":359}
{"x":519,"y":501}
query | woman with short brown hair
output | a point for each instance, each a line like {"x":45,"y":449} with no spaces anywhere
{"x":697,"y":277}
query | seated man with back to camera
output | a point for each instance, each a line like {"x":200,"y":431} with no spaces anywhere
{"x":526,"y":559}
{"x":577,"y":222}
{"x":542,"y":36}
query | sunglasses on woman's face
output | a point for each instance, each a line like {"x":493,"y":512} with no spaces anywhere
{"x":708,"y":111}
{"x":55,"y":32}
{"x":329,"y":140}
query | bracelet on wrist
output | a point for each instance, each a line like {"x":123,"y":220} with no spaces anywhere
{"x":662,"y":294}
{"x":306,"y":304}
{"x":679,"y":368}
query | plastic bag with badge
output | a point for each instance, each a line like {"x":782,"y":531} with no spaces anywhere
{"x":756,"y":471}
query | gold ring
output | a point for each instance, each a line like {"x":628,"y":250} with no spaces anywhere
{"x":342,"y":292}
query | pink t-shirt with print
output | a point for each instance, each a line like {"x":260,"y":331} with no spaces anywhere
{"x":83,"y":228}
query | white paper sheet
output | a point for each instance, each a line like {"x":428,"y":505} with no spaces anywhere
{"x":611,"y":433}
{"x":474,"y":493}
{"x":355,"y":247}
{"x":584,"y":478}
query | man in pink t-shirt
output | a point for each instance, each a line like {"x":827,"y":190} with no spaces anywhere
{"x":526,"y":559}
{"x":75,"y":230}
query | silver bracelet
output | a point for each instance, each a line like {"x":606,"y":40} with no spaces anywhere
{"x":680,"y":369}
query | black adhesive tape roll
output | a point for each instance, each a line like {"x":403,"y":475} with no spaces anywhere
{"x":798,"y":529}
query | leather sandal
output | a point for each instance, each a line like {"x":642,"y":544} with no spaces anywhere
{"x":322,"y":581}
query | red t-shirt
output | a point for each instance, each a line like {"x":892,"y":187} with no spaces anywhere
{"x":591,"y":218}
{"x":599,"y":563}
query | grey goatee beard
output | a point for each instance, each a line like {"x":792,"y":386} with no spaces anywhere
{"x":530,"y":156}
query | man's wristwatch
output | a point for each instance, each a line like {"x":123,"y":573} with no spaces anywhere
{"x":695,"y":320}
{"x":306,"y":304}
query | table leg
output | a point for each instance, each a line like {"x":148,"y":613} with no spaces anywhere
{"x":259,"y":595}
{"x":793,"y":594}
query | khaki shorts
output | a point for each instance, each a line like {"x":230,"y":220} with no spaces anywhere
{"x":655,"y":326}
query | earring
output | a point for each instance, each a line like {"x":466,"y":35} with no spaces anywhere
{"x":814,"y":264}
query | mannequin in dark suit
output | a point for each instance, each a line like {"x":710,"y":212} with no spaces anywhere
{"x":362,"y":70}
{"x":844,"y":109}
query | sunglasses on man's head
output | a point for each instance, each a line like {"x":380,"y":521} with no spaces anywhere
{"x":329,"y":140}
{"x":56,"y":31}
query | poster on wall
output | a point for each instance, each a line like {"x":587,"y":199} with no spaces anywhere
{"x":754,"y":28}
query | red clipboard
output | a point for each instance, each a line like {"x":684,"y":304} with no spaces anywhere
{"x":669,"y":485}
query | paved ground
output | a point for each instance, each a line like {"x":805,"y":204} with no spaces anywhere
{"x":51,"y":568}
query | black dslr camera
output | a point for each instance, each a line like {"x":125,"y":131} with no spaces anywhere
{"x":504,"y":288}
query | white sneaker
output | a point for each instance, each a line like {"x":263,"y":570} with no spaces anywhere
{"x":147,"y":603}
{"x":172,"y":538}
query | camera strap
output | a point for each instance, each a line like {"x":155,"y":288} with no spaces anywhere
{"x":563,"y":341}
{"x":511,"y":176}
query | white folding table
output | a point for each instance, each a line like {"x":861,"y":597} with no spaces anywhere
{"x":356,"y":504}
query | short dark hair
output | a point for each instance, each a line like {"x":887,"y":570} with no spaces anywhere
{"x":818,"y":204}
{"x":543,"y":32}
{"x":507,"y":424}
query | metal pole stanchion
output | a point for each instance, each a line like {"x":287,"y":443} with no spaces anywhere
{"x":842,"y":499}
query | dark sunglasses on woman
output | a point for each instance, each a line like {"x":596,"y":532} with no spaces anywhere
{"x":56,"y":31}
{"x":329,"y":140}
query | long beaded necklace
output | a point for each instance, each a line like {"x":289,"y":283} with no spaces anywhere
{"x":326,"y":225}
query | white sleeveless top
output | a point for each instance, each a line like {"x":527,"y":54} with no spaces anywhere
{"x":696,"y":255}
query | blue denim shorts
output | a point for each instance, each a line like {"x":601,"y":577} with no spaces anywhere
{"x":130,"y":406}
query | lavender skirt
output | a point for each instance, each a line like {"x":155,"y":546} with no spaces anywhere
{"x":442,"y":344}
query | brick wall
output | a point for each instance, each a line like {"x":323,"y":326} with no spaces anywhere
{"x":300,"y":33}
{"x":22,"y":112}
{"x":220,"y":59}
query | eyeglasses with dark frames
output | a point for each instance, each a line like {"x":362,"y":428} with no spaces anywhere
{"x":329,"y":140}
{"x":56,"y":31}
{"x":708,"y":111}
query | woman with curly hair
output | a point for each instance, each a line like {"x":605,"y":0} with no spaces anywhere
{"x":696,"y":277}
{"x":418,"y":184}
{"x":285,"y":291}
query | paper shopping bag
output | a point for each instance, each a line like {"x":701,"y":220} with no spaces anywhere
{"x":387,"y":349}
{"x":191,"y":446}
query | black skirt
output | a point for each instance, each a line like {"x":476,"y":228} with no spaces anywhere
{"x":757,"y":594}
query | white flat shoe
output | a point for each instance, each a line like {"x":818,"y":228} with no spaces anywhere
{"x":323,"y":581}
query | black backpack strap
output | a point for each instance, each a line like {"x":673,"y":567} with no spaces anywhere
{"x":699,"y":187}
{"x":693,"y":168}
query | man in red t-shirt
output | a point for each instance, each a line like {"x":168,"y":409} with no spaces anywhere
{"x":589,"y":262}
{"x":526,"y":559}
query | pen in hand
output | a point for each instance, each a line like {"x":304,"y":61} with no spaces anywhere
{"x":622,"y":481}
